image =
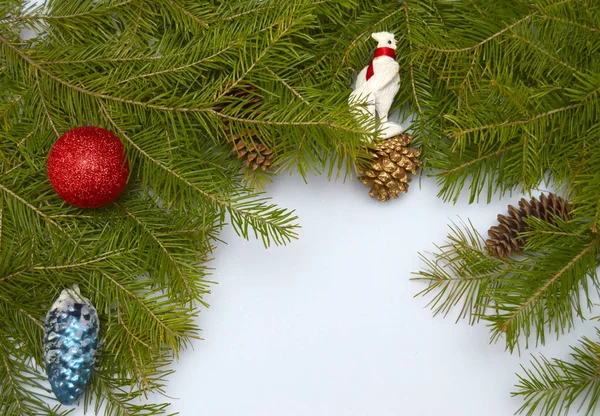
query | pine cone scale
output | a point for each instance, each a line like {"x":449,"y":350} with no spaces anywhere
{"x":504,"y":239}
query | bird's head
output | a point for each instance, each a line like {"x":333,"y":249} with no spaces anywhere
{"x":385,"y":40}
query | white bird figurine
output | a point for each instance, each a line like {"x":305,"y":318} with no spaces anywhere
{"x":378,"y":84}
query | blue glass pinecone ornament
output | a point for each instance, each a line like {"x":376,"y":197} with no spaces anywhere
{"x":70,"y":344}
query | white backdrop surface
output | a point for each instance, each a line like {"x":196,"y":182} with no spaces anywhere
{"x":328,"y":325}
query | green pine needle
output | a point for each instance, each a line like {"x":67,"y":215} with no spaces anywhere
{"x":554,"y":387}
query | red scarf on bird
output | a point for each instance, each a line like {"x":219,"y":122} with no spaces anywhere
{"x":380,"y":52}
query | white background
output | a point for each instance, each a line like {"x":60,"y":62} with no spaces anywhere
{"x":329,"y":326}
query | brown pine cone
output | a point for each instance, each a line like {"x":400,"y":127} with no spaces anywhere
{"x":504,"y":238}
{"x":257,"y":155}
{"x":388,"y":173}
{"x":248,"y":145}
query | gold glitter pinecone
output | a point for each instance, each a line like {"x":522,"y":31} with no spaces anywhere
{"x":248,"y":145}
{"x":504,"y":239}
{"x":388,"y":172}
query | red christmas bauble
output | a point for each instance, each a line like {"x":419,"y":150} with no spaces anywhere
{"x":87,"y":167}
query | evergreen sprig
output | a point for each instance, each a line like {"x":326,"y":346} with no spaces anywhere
{"x":506,"y":97}
{"x":556,"y":386}
{"x":522,"y":299}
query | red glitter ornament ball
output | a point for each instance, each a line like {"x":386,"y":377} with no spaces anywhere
{"x":87,"y":167}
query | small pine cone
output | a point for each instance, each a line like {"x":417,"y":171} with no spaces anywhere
{"x":257,"y":155}
{"x":248,"y":145}
{"x":504,"y":238}
{"x":388,"y":174}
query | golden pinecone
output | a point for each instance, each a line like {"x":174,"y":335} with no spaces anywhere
{"x":248,"y":145}
{"x":504,"y":239}
{"x":388,"y":173}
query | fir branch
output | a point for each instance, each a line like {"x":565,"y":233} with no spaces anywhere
{"x":460,"y":133}
{"x":262,"y":7}
{"x":464,"y":83}
{"x":189,"y":14}
{"x":130,"y":331}
{"x":82,"y":90}
{"x":22,"y":141}
{"x":156,"y":239}
{"x":103,"y":257}
{"x":481,"y":159}
{"x":23,"y":312}
{"x":145,"y":59}
{"x":44,"y":105}
{"x":268,"y":224}
{"x":509,"y":320}
{"x":14,"y":388}
{"x":180,"y":67}
{"x":198,"y":62}
{"x":326,"y":124}
{"x":21,"y":389}
{"x":596,"y":219}
{"x":255,"y":62}
{"x":522,"y":297}
{"x":411,"y":63}
{"x":29,"y":206}
{"x":12,"y":275}
{"x":165,"y":334}
{"x":545,"y":292}
{"x":142,"y":380}
{"x":288,"y":86}
{"x":550,"y":55}
{"x":486,"y":40}
{"x":554,"y":387}
{"x":568,"y":22}
{"x":93,"y":11}
{"x":170,"y":108}
{"x":460,"y":272}
{"x":118,"y":402}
